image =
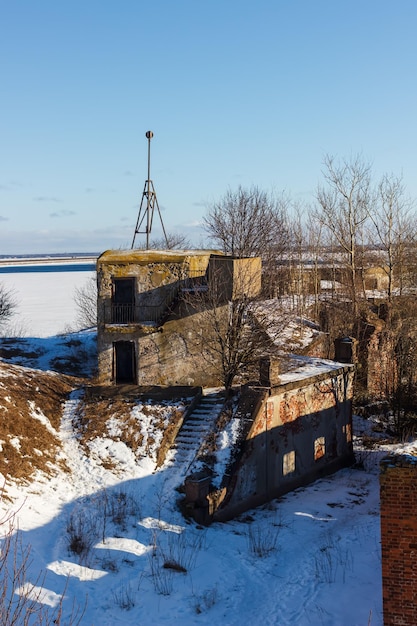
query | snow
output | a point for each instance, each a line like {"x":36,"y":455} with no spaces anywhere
{"x":300,"y":368}
{"x":310,"y":558}
{"x":225,"y":441}
{"x":45,"y":300}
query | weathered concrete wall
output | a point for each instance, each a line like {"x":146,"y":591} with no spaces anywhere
{"x":398,"y":480}
{"x":236,"y":277}
{"x":157,"y":274}
{"x":176,"y":354}
{"x":300,"y":431}
{"x":381,"y":367}
{"x":175,"y":347}
{"x":165,"y":354}
{"x":321,"y":347}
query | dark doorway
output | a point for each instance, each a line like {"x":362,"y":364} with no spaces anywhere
{"x":124,"y":359}
{"x":123,"y":301}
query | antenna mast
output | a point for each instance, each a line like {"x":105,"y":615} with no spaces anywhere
{"x":147,"y":208}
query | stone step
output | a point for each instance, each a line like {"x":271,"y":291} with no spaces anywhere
{"x":187,"y":437}
{"x":196,"y":428}
{"x":202,"y":413}
{"x":190,"y":441}
{"x":193,"y":427}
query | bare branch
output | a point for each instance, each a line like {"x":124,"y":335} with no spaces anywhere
{"x":8,"y":304}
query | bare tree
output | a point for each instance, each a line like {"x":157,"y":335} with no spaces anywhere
{"x":344,"y":206}
{"x":173,"y":241}
{"x":393,"y":230}
{"x":251,"y":222}
{"x":85,"y":298}
{"x":315,"y":246}
{"x":297,"y":263}
{"x":8,"y":304}
{"x":401,"y":379}
{"x":239,"y":328}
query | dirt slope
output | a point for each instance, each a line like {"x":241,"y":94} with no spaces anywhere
{"x":31,"y":403}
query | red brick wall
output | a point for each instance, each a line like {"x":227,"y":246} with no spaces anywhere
{"x":381,"y":377}
{"x":398,"y":483}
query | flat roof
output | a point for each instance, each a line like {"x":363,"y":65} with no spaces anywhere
{"x":153,"y":256}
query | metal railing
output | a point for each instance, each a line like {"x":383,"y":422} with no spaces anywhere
{"x":133,"y":314}
{"x":115,"y":313}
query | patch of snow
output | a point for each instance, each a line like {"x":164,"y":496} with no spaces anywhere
{"x":38,"y":415}
{"x":299,"y":367}
{"x":157,"y":524}
{"x":131,"y":546}
{"x":39,"y":594}
{"x":226,"y":440}
{"x":15,"y":442}
{"x":73,"y":570}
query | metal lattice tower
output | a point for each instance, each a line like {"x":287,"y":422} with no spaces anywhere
{"x":148,"y":203}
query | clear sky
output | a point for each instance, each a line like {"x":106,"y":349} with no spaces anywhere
{"x":237,"y":92}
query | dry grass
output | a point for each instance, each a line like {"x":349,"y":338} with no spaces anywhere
{"x":119,"y":416}
{"x":93,"y":416}
{"x":168,"y":437}
{"x":31,"y":404}
{"x":30,"y":416}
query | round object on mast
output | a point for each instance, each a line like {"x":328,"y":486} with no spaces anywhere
{"x":148,"y":203}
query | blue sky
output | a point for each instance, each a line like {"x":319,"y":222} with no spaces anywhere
{"x":236,"y":92}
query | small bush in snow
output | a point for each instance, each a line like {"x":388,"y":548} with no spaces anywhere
{"x":206,"y":600}
{"x":124,"y":597}
{"x":332,"y":562}
{"x":162,"y":578}
{"x":262,"y":539}
{"x":181,"y":551}
{"x":121,"y":507}
{"x":82,"y":531}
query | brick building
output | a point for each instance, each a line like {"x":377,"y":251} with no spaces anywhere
{"x":293,"y":431}
{"x":398,"y":485}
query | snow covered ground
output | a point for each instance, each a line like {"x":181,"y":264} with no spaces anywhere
{"x":45,"y":301}
{"x":312,"y":558}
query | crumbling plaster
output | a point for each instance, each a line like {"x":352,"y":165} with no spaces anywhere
{"x":290,"y":419}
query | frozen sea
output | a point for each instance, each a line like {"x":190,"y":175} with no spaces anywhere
{"x":45,"y":296}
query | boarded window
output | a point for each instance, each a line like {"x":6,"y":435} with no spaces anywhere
{"x":288,"y":463}
{"x":319,"y":448}
{"x":347,"y":430}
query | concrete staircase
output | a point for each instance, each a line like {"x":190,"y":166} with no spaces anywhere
{"x":194,"y":431}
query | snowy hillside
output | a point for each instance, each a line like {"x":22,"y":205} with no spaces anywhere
{"x":106,"y":535}
{"x":108,"y":544}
